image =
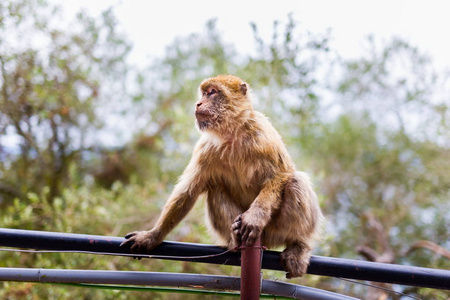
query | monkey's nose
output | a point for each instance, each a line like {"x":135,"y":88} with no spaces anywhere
{"x":199,"y":104}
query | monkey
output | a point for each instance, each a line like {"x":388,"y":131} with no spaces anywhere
{"x":252,"y":189}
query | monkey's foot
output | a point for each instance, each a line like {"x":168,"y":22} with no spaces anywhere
{"x":295,"y":261}
{"x":141,"y":241}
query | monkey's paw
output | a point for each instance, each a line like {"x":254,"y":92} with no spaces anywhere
{"x":235,"y":233}
{"x":295,"y":265}
{"x":141,"y":241}
{"x":247,"y":228}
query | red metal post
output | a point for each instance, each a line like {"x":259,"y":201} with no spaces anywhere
{"x":251,"y":271}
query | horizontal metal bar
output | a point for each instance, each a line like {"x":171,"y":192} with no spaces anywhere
{"x":326,"y":266}
{"x":209,"y":282}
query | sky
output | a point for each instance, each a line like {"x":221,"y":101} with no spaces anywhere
{"x":151,"y":25}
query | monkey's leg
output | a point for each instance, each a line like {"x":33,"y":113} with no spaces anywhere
{"x":222,"y":213}
{"x":296,"y":224}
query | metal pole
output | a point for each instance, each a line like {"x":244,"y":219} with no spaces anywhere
{"x":251,"y":270}
{"x":134,"y":278}
{"x":319,"y":265}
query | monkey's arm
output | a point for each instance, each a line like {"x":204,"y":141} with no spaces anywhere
{"x":180,"y":202}
{"x":253,"y":221}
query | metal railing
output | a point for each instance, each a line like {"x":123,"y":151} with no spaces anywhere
{"x":326,"y":266}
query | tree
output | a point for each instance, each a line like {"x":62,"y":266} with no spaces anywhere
{"x":383,"y":160}
{"x":52,"y":82}
{"x":371,"y":132}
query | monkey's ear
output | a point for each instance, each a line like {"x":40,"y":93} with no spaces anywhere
{"x":243,"y":88}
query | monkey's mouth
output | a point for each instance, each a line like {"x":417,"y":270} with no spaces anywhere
{"x":202,"y":115}
{"x":205,"y":119}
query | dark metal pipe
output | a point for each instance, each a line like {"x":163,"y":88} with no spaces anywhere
{"x":326,"y":266}
{"x":209,"y":282}
{"x":251,"y":270}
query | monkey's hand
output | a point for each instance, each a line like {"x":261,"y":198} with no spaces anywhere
{"x":247,"y":228}
{"x":235,"y":233}
{"x":142,"y":241}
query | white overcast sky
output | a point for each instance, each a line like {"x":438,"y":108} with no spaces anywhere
{"x":151,"y":25}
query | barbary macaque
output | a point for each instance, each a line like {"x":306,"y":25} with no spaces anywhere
{"x":252,"y":189}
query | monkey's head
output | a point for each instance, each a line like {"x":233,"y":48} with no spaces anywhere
{"x":224,"y":103}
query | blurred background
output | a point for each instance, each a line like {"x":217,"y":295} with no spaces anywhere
{"x":96,"y":123}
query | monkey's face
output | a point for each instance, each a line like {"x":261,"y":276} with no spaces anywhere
{"x":209,"y":108}
{"x":222,"y":101}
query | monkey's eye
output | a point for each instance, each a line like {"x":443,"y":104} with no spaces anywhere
{"x":213,"y":91}
{"x":204,"y":94}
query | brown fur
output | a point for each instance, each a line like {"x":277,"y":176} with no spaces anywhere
{"x":251,"y":186}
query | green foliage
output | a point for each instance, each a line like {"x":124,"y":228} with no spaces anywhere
{"x":51,"y":84}
{"x":285,"y":74}
{"x":94,"y":210}
{"x":372,"y":132}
